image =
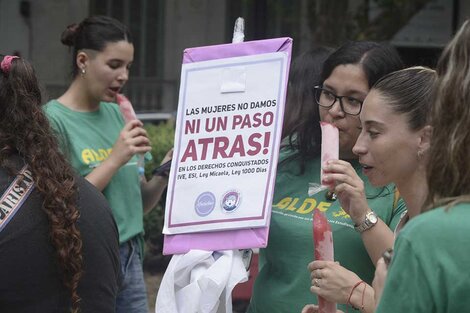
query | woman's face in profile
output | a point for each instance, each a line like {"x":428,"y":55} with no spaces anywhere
{"x":387,"y":147}
{"x":345,"y":80}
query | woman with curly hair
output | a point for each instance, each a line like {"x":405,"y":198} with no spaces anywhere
{"x":58,"y":240}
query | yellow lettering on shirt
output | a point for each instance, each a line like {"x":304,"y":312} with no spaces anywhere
{"x":341,"y":213}
{"x":97,"y":156}
{"x":308,"y":206}
{"x":291,"y":206}
{"x":93,"y":156}
{"x":284,"y":203}
{"x":103,"y":153}
{"x":323,"y":206}
{"x":87,"y":156}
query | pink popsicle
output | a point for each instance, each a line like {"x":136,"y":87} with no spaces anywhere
{"x":125,"y":106}
{"x":127,"y":111}
{"x":323,"y":244}
{"x":329,"y":145}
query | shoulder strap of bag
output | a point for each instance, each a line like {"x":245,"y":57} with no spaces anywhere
{"x":15,"y":195}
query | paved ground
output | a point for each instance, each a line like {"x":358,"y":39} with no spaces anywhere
{"x":153,"y":282}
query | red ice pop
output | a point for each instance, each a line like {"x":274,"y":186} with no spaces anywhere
{"x":329,"y":145}
{"x":323,"y":244}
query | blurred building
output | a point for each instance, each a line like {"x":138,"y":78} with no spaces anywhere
{"x":162,"y":29}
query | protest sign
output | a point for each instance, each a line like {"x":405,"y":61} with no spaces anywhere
{"x":226,"y":143}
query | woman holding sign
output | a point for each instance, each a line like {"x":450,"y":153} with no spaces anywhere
{"x":101,"y":146}
{"x":283,"y":282}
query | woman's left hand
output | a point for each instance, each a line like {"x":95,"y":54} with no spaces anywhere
{"x":349,"y":188}
{"x":331,"y":281}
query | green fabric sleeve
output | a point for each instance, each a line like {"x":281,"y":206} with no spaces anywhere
{"x":407,"y":286}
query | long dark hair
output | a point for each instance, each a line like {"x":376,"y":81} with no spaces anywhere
{"x":300,"y":105}
{"x":448,"y":167}
{"x":304,"y":74}
{"x":376,"y":59}
{"x":93,"y":33}
{"x":25,"y":131}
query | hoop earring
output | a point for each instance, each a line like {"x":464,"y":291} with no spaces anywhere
{"x":420,"y":154}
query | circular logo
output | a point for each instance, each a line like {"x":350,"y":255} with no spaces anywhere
{"x":205,"y":203}
{"x":230,"y":201}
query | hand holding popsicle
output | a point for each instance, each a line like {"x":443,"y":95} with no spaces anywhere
{"x":335,"y":281}
{"x":132,"y":140}
{"x":323,"y":243}
{"x":340,"y":177}
{"x":349,"y":188}
{"x":127,"y":111}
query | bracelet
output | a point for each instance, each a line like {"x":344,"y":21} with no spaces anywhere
{"x":363,"y":294}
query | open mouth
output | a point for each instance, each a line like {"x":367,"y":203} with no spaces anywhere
{"x":115,"y":89}
{"x":366,"y":168}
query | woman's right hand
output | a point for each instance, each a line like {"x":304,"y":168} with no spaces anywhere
{"x":131,"y":141}
{"x":349,"y":188}
{"x":379,"y":279}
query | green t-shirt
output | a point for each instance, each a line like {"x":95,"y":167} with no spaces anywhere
{"x":429,"y":272}
{"x":283,"y":283}
{"x":87,"y":138}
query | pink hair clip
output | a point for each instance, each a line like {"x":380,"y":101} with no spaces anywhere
{"x":6,"y":63}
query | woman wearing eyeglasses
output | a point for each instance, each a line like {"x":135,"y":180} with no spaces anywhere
{"x":361,"y":231}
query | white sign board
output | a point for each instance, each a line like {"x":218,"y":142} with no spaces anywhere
{"x":227,"y":139}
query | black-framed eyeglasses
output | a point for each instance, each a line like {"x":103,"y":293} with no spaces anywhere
{"x":326,"y":99}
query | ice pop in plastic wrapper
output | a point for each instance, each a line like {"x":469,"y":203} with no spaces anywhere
{"x":127,"y":111}
{"x":329,"y":145}
{"x":324,"y":251}
{"x":125,"y":106}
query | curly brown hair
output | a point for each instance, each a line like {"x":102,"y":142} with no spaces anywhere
{"x":447,"y":170}
{"x":25,"y":130}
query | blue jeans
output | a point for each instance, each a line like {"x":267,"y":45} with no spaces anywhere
{"x":132,"y":296}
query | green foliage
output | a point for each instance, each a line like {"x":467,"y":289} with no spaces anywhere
{"x":161,"y":137}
